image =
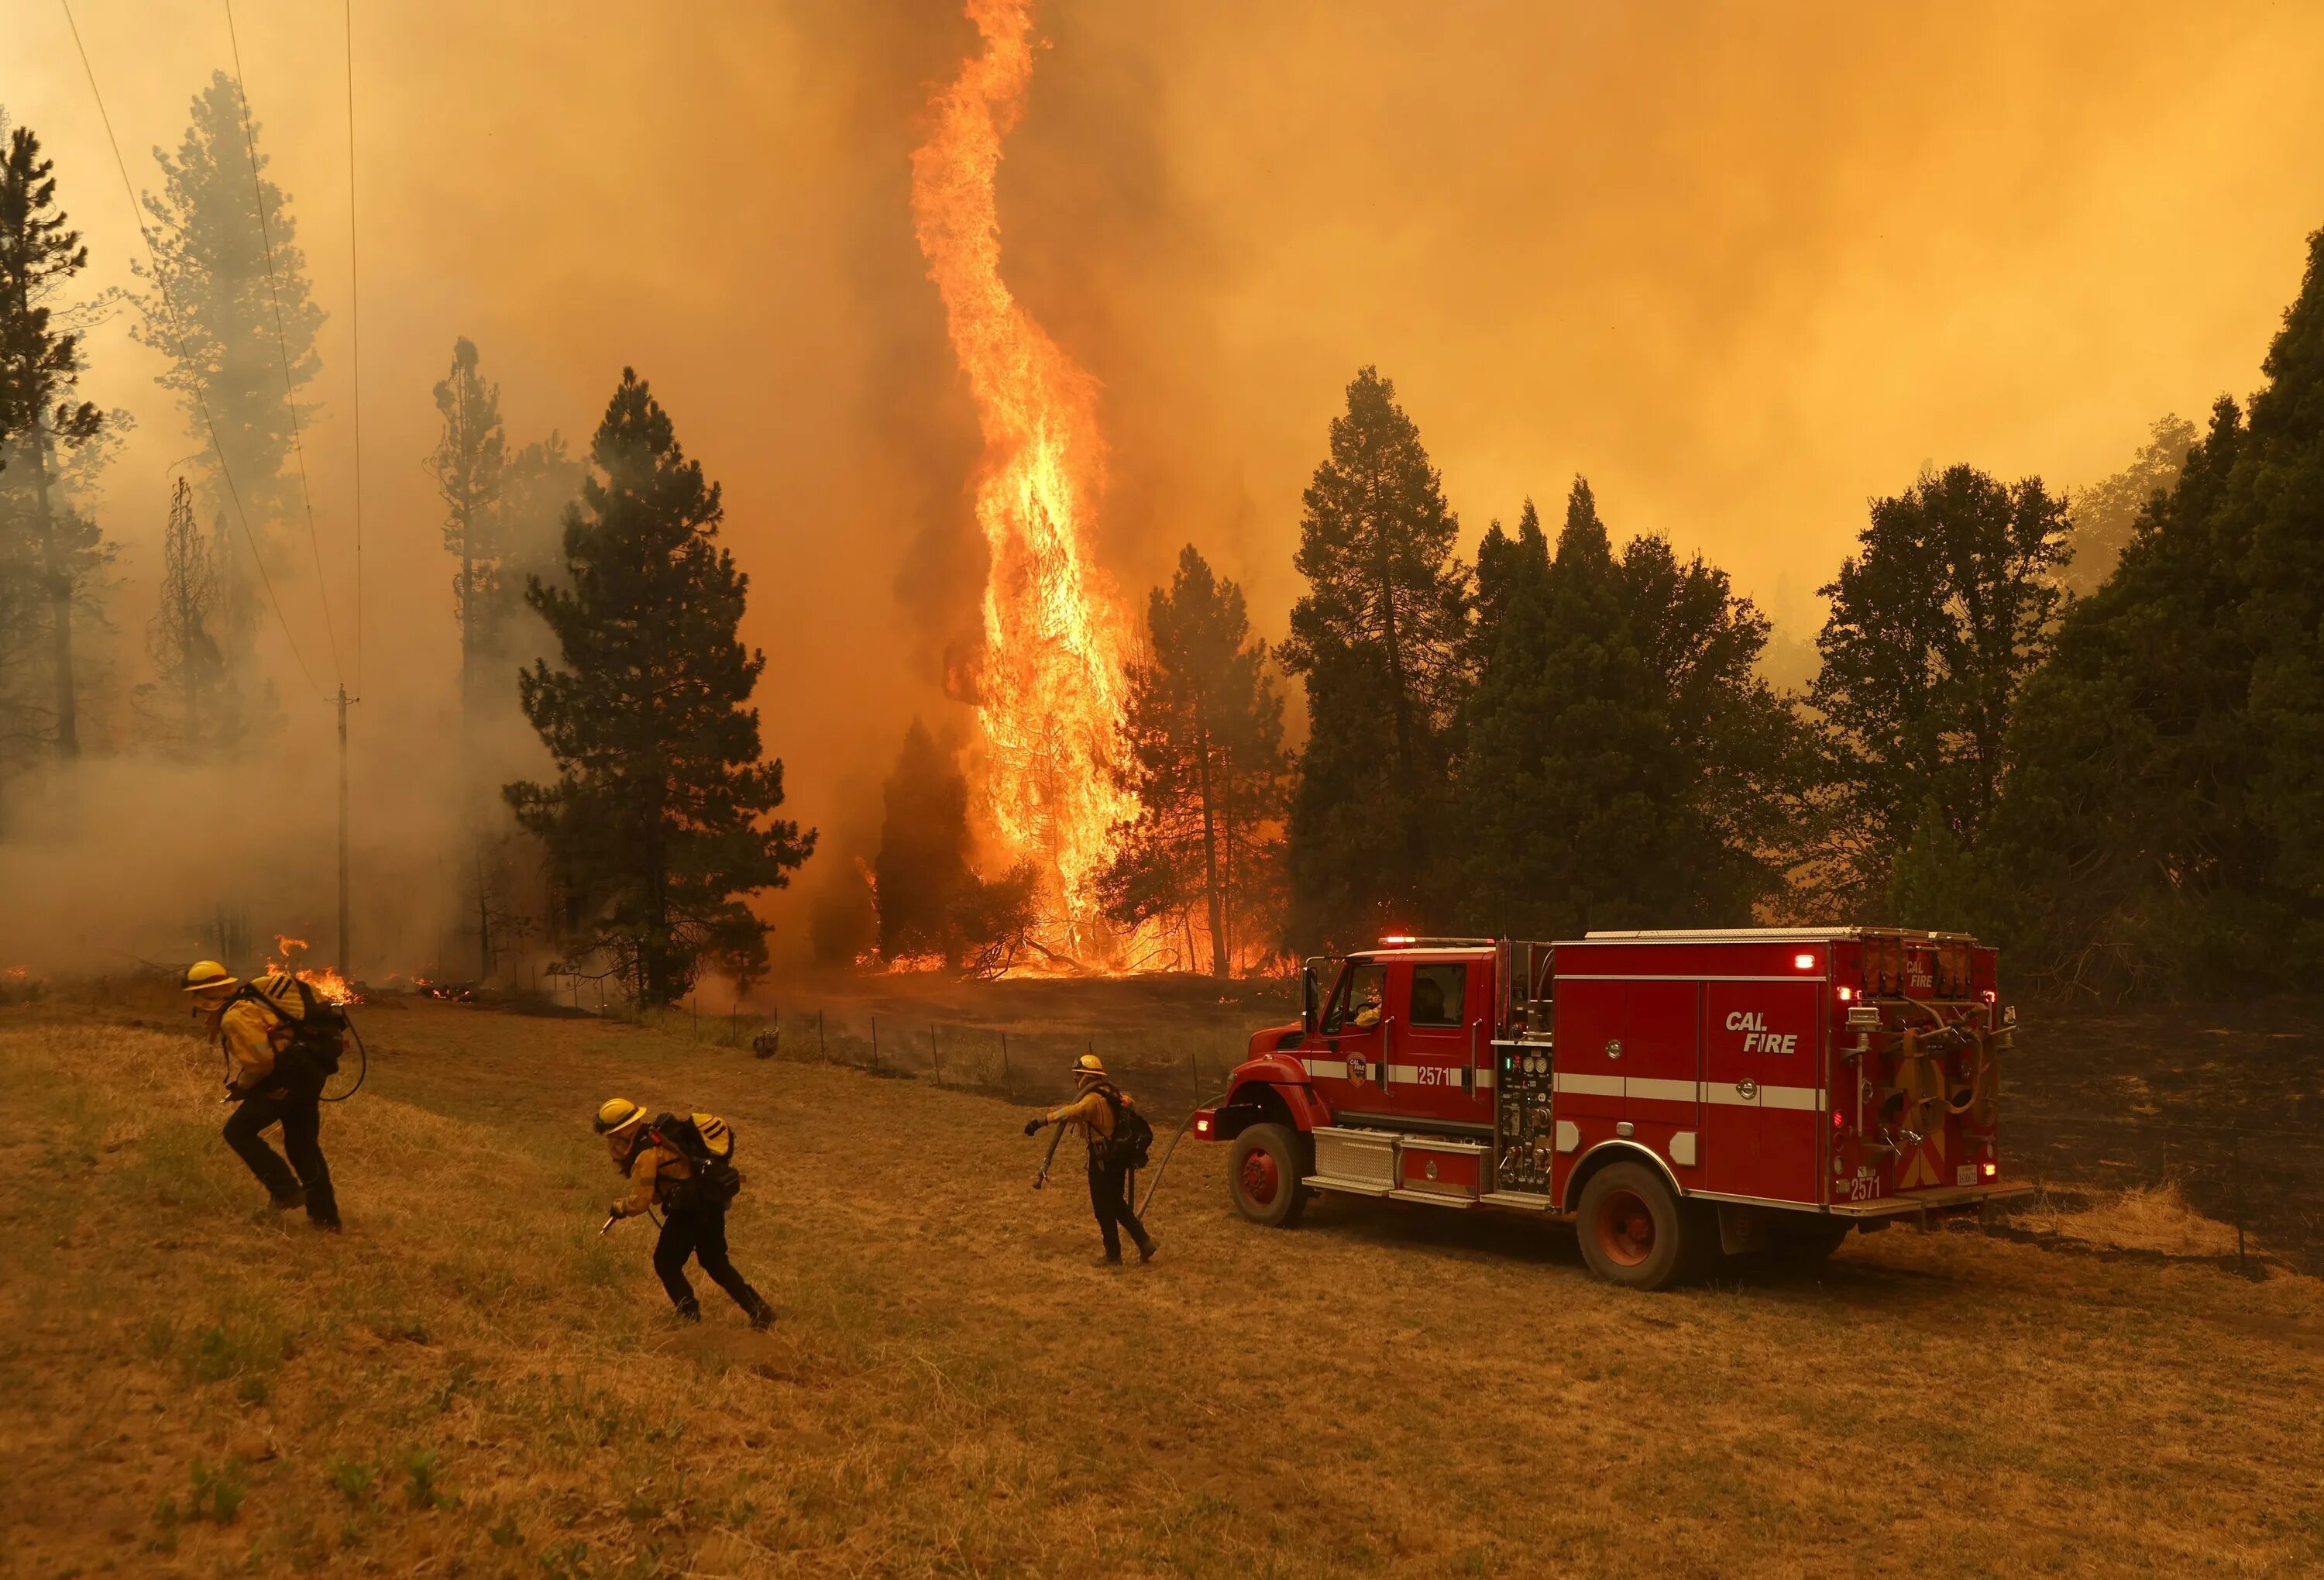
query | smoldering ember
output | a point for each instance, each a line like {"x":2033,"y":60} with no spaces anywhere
{"x":1010,"y":787}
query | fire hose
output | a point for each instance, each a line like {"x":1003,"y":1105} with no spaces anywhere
{"x":1184,"y":1126}
{"x":1925,"y":1093}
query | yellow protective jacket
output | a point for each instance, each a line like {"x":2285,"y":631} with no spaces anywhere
{"x":654,"y":1171}
{"x":1091,"y":1111}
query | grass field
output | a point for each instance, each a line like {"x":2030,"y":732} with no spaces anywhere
{"x":471,"y":1382}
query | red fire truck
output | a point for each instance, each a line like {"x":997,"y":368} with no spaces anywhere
{"x":1677,"y":1095}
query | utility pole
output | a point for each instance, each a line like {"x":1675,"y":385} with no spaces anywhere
{"x":346,"y":960}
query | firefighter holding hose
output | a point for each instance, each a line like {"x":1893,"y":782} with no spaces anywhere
{"x":271,"y":1081}
{"x":1118,"y":1137}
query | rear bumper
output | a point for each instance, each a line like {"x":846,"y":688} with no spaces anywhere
{"x":1948,"y":1199}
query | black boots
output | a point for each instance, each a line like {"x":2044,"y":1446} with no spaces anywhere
{"x":689,"y":1309}
{"x":763,"y":1316}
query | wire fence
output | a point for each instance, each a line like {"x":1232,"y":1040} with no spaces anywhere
{"x":1169,"y":1072}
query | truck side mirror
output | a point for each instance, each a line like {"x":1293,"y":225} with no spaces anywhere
{"x":1307,"y":998}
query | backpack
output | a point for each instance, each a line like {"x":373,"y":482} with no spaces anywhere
{"x":1133,"y":1138}
{"x":708,"y":1144}
{"x":318,"y":1034}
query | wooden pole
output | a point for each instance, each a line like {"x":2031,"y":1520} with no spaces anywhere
{"x":820,"y":1050}
{"x":934,"y":1059}
{"x":1006,"y":1090}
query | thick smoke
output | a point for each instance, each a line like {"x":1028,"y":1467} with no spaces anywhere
{"x":1744,"y":266}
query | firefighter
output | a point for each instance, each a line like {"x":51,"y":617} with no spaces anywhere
{"x":1368,"y":1013}
{"x":254,"y":1025}
{"x":694,"y":1217}
{"x":1096,"y":1111}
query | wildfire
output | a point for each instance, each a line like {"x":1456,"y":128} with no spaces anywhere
{"x":1048,"y":691}
{"x":329,"y":987}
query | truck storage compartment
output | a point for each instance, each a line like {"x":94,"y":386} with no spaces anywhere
{"x":1446,"y":1171}
{"x":1362,"y":1161}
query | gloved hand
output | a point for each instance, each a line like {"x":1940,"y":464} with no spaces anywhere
{"x":1032,"y":1127}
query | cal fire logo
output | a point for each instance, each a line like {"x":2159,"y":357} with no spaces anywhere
{"x":1757,"y":1038}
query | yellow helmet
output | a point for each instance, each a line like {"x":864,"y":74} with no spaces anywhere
{"x":619,"y":1113}
{"x":1089,"y":1067}
{"x":209,"y":976}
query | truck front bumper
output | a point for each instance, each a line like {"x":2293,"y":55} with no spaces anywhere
{"x":1948,"y":1199}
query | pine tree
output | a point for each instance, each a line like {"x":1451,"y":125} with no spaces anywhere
{"x":922,"y":873}
{"x":187,"y":707}
{"x":1623,"y":764}
{"x":662,"y":814}
{"x":40,"y":366}
{"x":1380,"y":637}
{"x":1935,"y":624}
{"x":468,"y":465}
{"x":238,"y":308}
{"x":1206,"y":762}
{"x":2107,"y":514}
{"x":930,"y":902}
{"x":2163,"y":826}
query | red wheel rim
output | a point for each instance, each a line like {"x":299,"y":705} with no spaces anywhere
{"x":1259,"y":1180}
{"x":1626,"y":1228}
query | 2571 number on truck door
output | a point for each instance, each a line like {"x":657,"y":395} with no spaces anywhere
{"x":1679,"y":1095}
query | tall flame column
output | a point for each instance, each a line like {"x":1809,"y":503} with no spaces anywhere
{"x":1049,"y":690}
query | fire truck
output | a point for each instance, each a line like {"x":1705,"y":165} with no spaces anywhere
{"x":1678,"y":1096}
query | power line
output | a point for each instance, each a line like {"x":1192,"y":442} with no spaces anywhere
{"x":177,"y":334}
{"x":282,"y":336}
{"x":354,"y":326}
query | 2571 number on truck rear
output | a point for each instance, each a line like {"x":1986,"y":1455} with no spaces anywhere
{"x":1679,"y":1095}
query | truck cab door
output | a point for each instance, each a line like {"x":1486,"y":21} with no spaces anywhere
{"x":1349,"y":1064}
{"x":1438,"y":1042}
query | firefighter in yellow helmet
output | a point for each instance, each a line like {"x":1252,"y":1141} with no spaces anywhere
{"x":1100,"y":1112}
{"x":254,"y":1024}
{"x":693,"y":1198}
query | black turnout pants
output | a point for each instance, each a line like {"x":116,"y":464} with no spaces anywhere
{"x":1110,"y":1200}
{"x":698,"y":1231}
{"x":301,"y":1114}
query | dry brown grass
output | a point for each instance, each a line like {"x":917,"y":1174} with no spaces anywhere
{"x":471,"y":1382}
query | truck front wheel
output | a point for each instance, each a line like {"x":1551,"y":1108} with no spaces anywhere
{"x":1631,"y":1229}
{"x":1264,"y":1175}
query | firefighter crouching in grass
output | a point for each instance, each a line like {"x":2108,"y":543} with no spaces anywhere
{"x":272,"y":1082}
{"x":686,"y":1167}
{"x":1118,"y":1138}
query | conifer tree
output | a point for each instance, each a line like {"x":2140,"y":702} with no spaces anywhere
{"x":231,"y":323}
{"x":662,"y":815}
{"x":469,"y":462}
{"x":2107,"y":514}
{"x":40,"y":366}
{"x":1623,"y":764}
{"x":1206,"y":762}
{"x":1381,"y":638}
{"x":2163,"y":826}
{"x":1935,"y":624}
{"x":922,"y":871}
{"x":187,"y":707}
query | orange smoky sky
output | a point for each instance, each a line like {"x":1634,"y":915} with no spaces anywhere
{"x":1743,"y":264}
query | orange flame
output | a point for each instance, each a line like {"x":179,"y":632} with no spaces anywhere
{"x":329,"y":987}
{"x":1049,"y":688}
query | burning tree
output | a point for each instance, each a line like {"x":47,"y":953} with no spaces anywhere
{"x":1206,"y":765}
{"x":188,"y":705}
{"x":662,"y":816}
{"x":1048,"y":683}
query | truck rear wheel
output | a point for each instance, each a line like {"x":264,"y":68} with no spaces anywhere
{"x":1264,"y":1174}
{"x":1631,"y":1229}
